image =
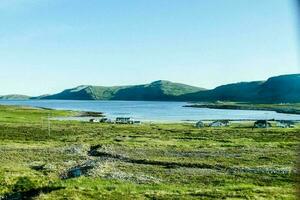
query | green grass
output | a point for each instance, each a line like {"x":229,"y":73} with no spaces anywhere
{"x":149,"y":161}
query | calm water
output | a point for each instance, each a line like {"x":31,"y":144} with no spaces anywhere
{"x":153,"y":111}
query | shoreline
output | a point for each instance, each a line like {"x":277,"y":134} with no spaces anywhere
{"x":285,"y":109}
{"x":86,"y":119}
{"x":85,"y":115}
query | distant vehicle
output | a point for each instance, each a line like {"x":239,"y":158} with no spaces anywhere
{"x":262,"y":124}
{"x":219,"y":123}
{"x":285,"y":124}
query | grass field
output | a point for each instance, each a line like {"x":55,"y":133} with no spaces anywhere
{"x":81,"y":160}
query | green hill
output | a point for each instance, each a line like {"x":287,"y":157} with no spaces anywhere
{"x":279,"y":89}
{"x":243,"y":91}
{"x":155,"y":91}
{"x":85,"y":92}
{"x":285,"y":88}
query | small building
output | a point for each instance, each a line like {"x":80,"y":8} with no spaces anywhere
{"x":285,"y":124}
{"x":199,"y":124}
{"x":123,"y":120}
{"x":219,"y":123}
{"x":262,"y":124}
{"x":103,"y":120}
{"x":94,"y":120}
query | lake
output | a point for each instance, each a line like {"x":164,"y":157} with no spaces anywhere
{"x":153,"y":110}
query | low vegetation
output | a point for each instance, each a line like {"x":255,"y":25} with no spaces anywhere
{"x":81,"y":160}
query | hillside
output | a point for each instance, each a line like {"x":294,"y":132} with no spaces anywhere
{"x":279,"y":89}
{"x":14,"y":97}
{"x":85,"y":92}
{"x":155,"y":91}
{"x":158,"y":90}
{"x":243,"y":91}
{"x":285,"y":88}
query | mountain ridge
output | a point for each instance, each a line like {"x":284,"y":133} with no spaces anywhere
{"x":14,"y":97}
{"x":277,"y":89}
{"x":157,"y":90}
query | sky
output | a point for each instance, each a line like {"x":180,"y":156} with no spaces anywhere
{"x":49,"y":45}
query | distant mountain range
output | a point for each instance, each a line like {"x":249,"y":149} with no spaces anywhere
{"x":279,"y":89}
{"x":14,"y":97}
{"x":155,"y":91}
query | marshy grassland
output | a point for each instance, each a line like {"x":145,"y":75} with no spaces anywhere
{"x":81,"y":160}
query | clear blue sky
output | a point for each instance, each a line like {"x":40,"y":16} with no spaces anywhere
{"x":49,"y":45}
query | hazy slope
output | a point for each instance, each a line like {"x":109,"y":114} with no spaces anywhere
{"x":14,"y":97}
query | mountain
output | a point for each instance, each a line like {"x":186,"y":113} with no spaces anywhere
{"x":279,"y":89}
{"x":39,"y":97}
{"x":155,"y":91}
{"x":285,"y":88}
{"x":14,"y":97}
{"x":85,"y":92}
{"x":243,"y":91}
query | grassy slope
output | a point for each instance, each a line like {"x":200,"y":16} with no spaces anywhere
{"x":193,"y":163}
{"x":285,"y":88}
{"x":158,"y":90}
{"x":279,"y":89}
{"x":245,"y":91}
